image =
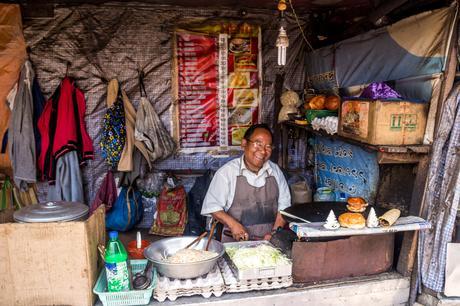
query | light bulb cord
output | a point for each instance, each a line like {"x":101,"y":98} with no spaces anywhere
{"x":298,"y":23}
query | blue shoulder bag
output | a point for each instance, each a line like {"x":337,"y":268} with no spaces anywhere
{"x":126,"y":211}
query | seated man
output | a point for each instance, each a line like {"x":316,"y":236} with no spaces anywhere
{"x":247,"y":193}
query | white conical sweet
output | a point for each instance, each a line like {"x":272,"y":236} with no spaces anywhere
{"x":372,"y":220}
{"x":331,"y":221}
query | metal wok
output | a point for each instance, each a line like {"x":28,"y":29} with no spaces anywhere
{"x":164,"y":248}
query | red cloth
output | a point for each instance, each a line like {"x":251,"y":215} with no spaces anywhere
{"x":62,"y":128}
{"x":107,"y":194}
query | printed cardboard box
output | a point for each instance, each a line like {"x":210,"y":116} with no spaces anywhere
{"x":383,"y":122}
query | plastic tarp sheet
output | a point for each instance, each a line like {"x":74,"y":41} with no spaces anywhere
{"x":12,"y":57}
{"x":115,"y":40}
{"x":412,"y":53}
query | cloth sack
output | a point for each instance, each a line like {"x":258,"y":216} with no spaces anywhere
{"x":171,"y":212}
{"x":126,"y":211}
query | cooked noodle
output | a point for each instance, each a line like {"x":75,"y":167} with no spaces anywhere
{"x":190,"y":255}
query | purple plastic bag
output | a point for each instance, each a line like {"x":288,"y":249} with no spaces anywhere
{"x":379,"y":91}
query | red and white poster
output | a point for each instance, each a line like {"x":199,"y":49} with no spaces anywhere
{"x":197,"y":90}
{"x":218,"y":86}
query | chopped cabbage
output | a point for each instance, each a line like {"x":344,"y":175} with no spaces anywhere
{"x":261,"y":256}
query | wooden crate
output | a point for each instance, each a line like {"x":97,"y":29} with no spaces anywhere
{"x":50,"y":263}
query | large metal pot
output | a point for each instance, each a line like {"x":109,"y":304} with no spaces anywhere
{"x":158,"y":250}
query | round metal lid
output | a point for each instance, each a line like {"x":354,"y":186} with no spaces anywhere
{"x":51,"y":212}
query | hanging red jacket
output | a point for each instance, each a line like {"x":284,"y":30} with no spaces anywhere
{"x":62,"y":128}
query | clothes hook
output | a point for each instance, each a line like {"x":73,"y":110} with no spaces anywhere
{"x":67,"y":68}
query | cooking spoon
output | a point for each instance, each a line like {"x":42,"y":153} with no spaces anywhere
{"x":143,"y":279}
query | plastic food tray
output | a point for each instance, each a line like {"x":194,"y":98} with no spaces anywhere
{"x":132,"y":297}
{"x":256,"y":273}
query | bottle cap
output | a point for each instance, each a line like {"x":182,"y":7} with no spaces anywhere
{"x":113,"y":234}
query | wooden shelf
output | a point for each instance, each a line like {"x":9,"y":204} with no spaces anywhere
{"x":385,"y":154}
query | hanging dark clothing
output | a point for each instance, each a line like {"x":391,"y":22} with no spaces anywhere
{"x":38,"y":104}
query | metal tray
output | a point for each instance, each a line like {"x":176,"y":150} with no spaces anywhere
{"x":256,"y":273}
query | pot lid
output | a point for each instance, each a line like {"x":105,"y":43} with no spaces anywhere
{"x":55,"y":211}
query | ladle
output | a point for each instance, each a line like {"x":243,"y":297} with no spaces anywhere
{"x":143,"y":279}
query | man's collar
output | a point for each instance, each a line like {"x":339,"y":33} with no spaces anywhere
{"x":265,"y":168}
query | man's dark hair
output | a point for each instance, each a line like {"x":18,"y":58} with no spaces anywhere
{"x":252,"y":128}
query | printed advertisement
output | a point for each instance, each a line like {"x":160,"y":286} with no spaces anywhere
{"x":218,"y":85}
{"x":197,"y":90}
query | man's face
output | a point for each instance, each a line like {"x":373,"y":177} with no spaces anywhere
{"x":257,"y":150}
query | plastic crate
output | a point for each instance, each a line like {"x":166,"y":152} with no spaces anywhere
{"x":318,"y":113}
{"x":132,"y":297}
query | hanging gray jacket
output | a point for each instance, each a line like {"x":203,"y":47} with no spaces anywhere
{"x":21,"y":141}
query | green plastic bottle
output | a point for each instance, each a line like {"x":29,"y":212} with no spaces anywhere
{"x":116,"y":264}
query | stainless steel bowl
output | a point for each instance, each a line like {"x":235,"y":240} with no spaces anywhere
{"x":157,"y":251}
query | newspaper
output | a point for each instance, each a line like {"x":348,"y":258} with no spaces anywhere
{"x":316,"y":229}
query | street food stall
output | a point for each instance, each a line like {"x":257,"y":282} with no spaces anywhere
{"x":118,"y":114}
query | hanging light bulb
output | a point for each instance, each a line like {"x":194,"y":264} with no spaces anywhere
{"x":282,"y":42}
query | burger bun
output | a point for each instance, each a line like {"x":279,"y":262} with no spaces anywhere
{"x":352,"y":220}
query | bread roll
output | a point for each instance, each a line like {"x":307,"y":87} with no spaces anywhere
{"x":352,"y":220}
{"x":332,"y":103}
{"x":317,"y":102}
{"x":356,"y":204}
{"x":390,"y":217}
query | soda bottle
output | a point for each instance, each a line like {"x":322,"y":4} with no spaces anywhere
{"x":116,"y":264}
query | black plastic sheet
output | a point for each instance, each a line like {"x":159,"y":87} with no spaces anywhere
{"x":118,"y":40}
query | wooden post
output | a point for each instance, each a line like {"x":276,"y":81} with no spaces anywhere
{"x":409,"y":244}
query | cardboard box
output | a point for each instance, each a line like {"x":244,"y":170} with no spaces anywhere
{"x":50,"y":263}
{"x":383,"y":122}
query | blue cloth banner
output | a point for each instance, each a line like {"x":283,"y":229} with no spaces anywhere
{"x":393,"y":53}
{"x":346,"y":168}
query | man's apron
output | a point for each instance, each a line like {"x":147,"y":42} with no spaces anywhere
{"x":254,"y":207}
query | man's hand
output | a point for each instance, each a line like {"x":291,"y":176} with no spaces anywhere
{"x":239,"y":232}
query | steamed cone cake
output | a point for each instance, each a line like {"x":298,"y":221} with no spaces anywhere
{"x":390,"y":217}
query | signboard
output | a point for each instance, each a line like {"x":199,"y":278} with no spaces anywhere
{"x":346,"y":168}
{"x":197,"y":90}
{"x":218,"y":85}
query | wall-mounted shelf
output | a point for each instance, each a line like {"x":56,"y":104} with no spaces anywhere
{"x":403,"y":154}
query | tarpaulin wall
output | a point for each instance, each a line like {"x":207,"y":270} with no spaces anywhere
{"x":12,"y":56}
{"x":411,"y":52}
{"x":116,"y":40}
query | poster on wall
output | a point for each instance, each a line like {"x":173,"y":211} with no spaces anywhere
{"x":347,"y":169}
{"x":197,"y":90}
{"x":217,"y":86}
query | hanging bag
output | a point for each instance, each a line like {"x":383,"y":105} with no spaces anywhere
{"x":6,"y":195}
{"x":126,"y":211}
{"x":113,"y":126}
{"x":171,"y":212}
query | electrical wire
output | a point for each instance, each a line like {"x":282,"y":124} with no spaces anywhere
{"x":300,"y":27}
